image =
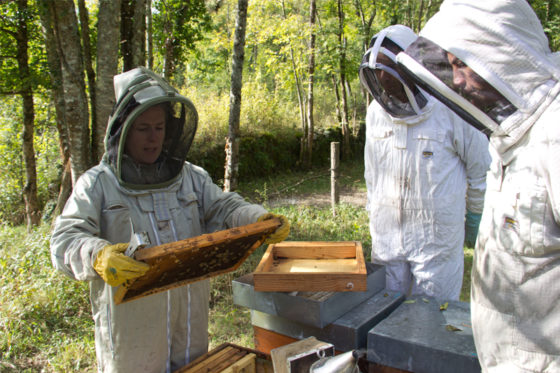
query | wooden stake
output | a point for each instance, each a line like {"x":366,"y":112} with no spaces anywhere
{"x":335,"y":151}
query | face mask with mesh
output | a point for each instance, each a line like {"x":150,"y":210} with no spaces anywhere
{"x":140,"y":90}
{"x":371,"y":67}
{"x":443,"y":75}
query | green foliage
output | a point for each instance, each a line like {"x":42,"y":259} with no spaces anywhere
{"x":13,"y":177}
{"x":270,"y":140}
{"x":179,"y":23}
{"x":209,"y":63}
{"x":256,"y":157}
{"x":45,"y":317}
{"x":548,"y":12}
{"x":12,"y":209}
{"x":15,"y":42}
{"x":10,"y":77}
{"x":47,"y":153}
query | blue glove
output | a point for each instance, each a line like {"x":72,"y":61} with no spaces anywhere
{"x":472,"y":221}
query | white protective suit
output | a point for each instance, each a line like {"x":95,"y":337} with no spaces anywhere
{"x":515,"y":298}
{"x":164,"y":331}
{"x":422,"y":172}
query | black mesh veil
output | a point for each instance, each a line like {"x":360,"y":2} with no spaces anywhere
{"x":138,"y":90}
{"x":430,"y":66}
{"x":386,"y":93}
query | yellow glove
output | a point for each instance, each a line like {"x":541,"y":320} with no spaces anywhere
{"x":116,"y":268}
{"x":281,"y":233}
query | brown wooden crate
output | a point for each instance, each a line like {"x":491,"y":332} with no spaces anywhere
{"x":226,"y":356}
{"x":244,"y":365}
{"x":312,"y":266}
{"x":179,"y":263}
{"x":267,"y":340}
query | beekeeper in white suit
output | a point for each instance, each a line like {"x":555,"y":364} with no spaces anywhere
{"x":490,"y":61}
{"x":425,"y":169}
{"x":144,"y":181}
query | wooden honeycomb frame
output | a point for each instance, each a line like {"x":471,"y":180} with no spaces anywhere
{"x":179,"y":263}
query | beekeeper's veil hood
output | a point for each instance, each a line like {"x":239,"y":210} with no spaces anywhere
{"x":137,"y":90}
{"x":388,"y":42}
{"x":503,"y":42}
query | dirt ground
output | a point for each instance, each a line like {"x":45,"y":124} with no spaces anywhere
{"x":350,"y":196}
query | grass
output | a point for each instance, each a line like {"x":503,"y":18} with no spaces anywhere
{"x":317,"y":181}
{"x":466,"y":289}
{"x":45,"y":318}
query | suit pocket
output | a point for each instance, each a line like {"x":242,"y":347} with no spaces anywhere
{"x":188,"y":205}
{"x":115,"y":222}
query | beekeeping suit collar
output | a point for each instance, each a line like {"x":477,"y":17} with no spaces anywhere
{"x":137,"y":90}
{"x":401,"y":37}
{"x":504,"y":43}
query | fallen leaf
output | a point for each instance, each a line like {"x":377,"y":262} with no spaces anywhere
{"x":443,"y":307}
{"x":452,"y":328}
{"x":410,"y":301}
{"x":425,"y":300}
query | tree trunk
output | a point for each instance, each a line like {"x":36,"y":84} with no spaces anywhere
{"x":408,"y":14}
{"x":347,"y":150}
{"x":149,"y":35}
{"x":297,"y":80}
{"x":65,"y":188}
{"x":366,"y":33}
{"x":366,"y":24}
{"x":233,"y":138}
{"x":32,"y":210}
{"x":168,"y":58}
{"x":86,"y":43}
{"x":420,"y":13}
{"x":107,"y":66}
{"x":349,"y":93}
{"x":76,"y":109}
{"x":337,"y":98}
{"x":301,"y":102}
{"x":57,"y":92}
{"x":138,"y":40}
{"x":133,"y":33}
{"x":169,"y":52}
{"x":311,"y":72}
{"x":127,"y":24}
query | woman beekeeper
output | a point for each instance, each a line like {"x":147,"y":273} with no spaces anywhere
{"x":491,"y":63}
{"x":144,"y":183}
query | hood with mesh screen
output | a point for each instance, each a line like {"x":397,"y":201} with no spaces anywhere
{"x":137,"y":90}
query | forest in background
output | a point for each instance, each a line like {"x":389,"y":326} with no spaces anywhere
{"x":289,"y":68}
{"x":57,"y":58}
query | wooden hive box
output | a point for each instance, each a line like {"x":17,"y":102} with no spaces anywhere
{"x":312,"y":266}
{"x":230,"y":358}
{"x":179,"y":263}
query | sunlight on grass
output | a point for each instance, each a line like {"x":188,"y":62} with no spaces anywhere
{"x":466,"y":289}
{"x":297,"y":183}
{"x":230,"y":323}
{"x":45,"y":317}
